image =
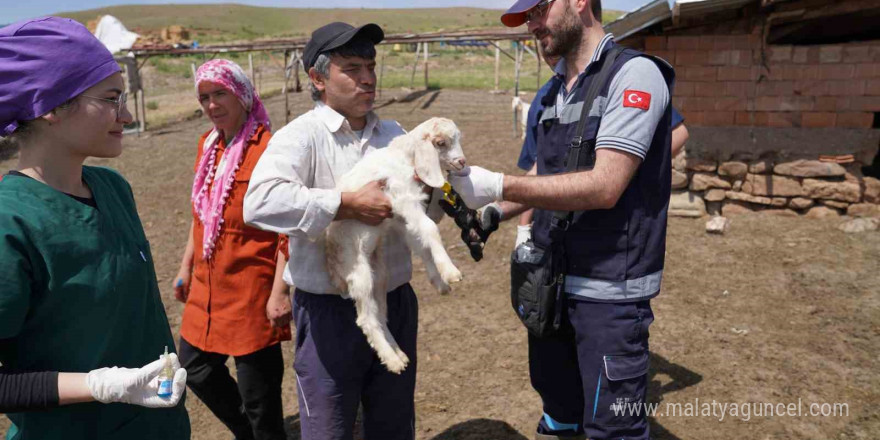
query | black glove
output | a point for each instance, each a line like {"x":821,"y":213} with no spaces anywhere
{"x":490,"y":217}
{"x":473,"y":234}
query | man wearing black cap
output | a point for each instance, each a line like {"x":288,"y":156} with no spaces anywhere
{"x":292,"y":191}
{"x":611,"y":223}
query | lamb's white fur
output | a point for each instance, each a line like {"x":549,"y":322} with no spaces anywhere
{"x":353,"y":249}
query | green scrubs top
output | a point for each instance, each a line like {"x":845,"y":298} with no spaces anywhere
{"x":78,"y":291}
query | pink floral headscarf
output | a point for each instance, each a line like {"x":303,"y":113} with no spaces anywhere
{"x":209,"y":203}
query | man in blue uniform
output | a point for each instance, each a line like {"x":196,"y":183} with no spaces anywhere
{"x":597,"y":363}
{"x":528,"y":155}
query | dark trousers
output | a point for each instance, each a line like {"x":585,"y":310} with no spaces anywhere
{"x":251,"y":408}
{"x":589,"y":372}
{"x":336,"y":370}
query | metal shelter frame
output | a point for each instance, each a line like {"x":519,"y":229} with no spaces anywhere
{"x":292,"y":49}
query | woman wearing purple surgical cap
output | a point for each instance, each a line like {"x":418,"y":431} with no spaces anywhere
{"x":81,"y":320}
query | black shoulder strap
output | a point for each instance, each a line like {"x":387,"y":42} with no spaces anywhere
{"x":577,"y":143}
{"x":576,"y":154}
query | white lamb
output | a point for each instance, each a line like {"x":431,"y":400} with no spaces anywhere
{"x":353,"y":249}
{"x":522,"y":107}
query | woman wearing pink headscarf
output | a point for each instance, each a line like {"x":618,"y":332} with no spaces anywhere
{"x":230,"y":277}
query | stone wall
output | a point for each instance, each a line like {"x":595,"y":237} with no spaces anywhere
{"x":811,"y":188}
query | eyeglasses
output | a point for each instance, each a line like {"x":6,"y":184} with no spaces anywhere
{"x":538,"y":11}
{"x":120,"y":101}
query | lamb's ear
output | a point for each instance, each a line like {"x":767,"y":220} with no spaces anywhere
{"x":427,"y":164}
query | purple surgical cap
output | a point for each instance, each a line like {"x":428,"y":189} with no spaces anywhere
{"x":45,"y":62}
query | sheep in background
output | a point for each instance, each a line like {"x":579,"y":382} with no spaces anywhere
{"x":353,"y":249}
{"x":522,"y":107}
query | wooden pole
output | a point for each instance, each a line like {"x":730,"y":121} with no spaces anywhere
{"x":143,"y":110}
{"x":128,"y":88}
{"x":284,"y":88}
{"x":381,"y":73}
{"x":497,"y":66}
{"x":426,"y":65}
{"x":412,"y":78}
{"x":540,"y":53}
{"x":194,"y":70}
{"x":503,"y":52}
{"x":516,"y":66}
{"x":251,"y":63}
{"x":296,"y":63}
{"x":137,"y":113}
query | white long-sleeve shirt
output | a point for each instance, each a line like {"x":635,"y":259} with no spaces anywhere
{"x":292,"y":191}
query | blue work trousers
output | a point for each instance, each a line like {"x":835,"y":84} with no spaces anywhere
{"x":592,"y":375}
{"x":337,"y":370}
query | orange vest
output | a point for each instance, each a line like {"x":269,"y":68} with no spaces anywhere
{"x":226,"y":308}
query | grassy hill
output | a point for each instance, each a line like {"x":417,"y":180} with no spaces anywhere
{"x":225,"y":22}
{"x":220,"y":22}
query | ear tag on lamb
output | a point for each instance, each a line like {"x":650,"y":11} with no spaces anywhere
{"x":447,"y":193}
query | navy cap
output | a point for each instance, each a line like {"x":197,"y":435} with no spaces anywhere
{"x":516,"y":15}
{"x":334,"y":35}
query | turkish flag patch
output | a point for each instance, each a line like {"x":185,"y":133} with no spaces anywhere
{"x":637,"y":99}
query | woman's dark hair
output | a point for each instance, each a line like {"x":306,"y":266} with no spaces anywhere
{"x":10,"y":144}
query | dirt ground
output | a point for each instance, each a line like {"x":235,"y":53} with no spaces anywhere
{"x":778,"y":310}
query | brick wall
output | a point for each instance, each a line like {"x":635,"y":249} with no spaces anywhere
{"x":725,"y":78}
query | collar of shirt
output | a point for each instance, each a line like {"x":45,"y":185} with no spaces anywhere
{"x":335,"y":121}
{"x":604,"y":44}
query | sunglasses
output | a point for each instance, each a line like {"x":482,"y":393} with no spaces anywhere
{"x":538,"y":11}
{"x":120,"y":101}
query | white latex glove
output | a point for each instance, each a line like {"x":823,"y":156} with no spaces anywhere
{"x":477,"y":186}
{"x":137,"y":386}
{"x":523,"y":234}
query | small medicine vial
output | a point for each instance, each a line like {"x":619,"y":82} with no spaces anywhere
{"x":166,"y":377}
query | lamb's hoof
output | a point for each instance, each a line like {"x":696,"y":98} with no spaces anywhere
{"x":401,"y":355}
{"x":440,"y":285}
{"x":396,"y":364}
{"x":451,"y":275}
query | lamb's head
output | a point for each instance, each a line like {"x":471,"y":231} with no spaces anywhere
{"x":437,"y":149}
{"x":517,"y":104}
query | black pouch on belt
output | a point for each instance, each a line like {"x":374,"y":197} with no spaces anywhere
{"x":537,"y":291}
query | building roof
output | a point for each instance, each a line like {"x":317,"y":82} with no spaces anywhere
{"x":791,"y":21}
{"x":694,"y":8}
{"x":651,"y":13}
{"x":657,"y":11}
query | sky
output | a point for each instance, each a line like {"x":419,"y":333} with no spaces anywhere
{"x":14,"y":10}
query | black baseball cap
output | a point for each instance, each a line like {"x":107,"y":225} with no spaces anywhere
{"x":336,"y":34}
